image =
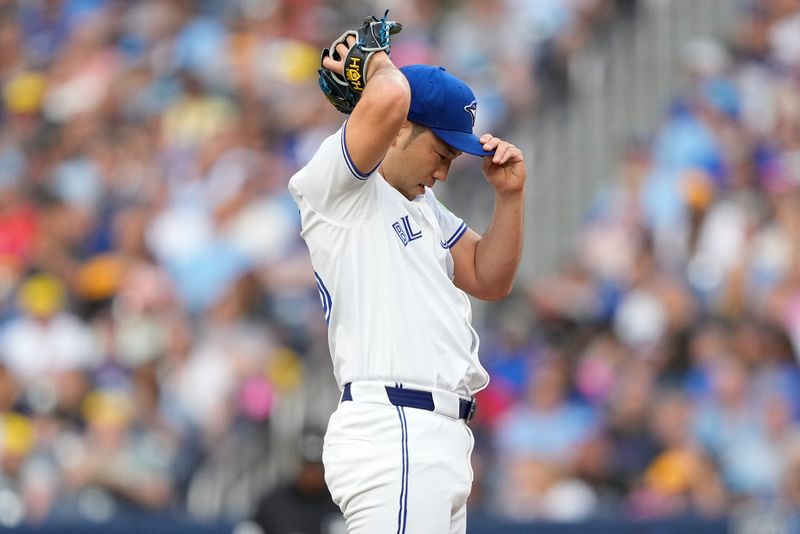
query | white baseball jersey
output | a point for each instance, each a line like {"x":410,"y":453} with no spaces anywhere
{"x":385,"y":276}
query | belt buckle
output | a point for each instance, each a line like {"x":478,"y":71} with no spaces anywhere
{"x":473,"y":405}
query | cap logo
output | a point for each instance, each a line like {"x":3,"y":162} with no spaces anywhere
{"x":472,"y":109}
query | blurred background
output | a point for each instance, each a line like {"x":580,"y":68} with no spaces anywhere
{"x":163,"y":357}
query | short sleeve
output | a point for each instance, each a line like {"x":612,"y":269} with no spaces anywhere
{"x":332,"y":186}
{"x":453,"y":227}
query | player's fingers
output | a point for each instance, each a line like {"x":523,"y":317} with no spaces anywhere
{"x":331,"y":64}
{"x":514,"y":154}
{"x":342,"y":49}
{"x":489,"y":141}
{"x":351,"y":40}
{"x":506,"y":152}
{"x":500,"y":156}
{"x":491,"y":144}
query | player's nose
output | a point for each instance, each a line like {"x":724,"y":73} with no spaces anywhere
{"x":441,"y":172}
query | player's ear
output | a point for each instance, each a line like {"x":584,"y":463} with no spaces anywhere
{"x":402,"y":133}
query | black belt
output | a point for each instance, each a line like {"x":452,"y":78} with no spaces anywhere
{"x":423,"y":400}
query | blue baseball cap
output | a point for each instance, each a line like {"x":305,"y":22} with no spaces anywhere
{"x":446,"y":105}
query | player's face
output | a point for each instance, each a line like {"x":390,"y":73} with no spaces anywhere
{"x":425,"y":160}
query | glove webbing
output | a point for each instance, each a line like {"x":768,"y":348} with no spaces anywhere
{"x":373,"y":36}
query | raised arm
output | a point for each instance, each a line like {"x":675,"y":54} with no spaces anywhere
{"x":381,"y":111}
{"x":485,"y":266}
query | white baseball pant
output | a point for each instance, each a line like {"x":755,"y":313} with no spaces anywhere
{"x":395,"y":469}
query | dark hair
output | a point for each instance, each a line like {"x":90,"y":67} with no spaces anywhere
{"x":416,"y":130}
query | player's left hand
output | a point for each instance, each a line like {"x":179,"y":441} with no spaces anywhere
{"x":505,"y":169}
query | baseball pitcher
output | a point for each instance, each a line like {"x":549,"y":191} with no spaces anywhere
{"x":393,"y":267}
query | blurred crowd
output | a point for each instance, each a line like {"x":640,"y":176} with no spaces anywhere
{"x":657,"y":373}
{"x":158,"y":314}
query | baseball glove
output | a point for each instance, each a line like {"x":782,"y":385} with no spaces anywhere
{"x":343,"y":92}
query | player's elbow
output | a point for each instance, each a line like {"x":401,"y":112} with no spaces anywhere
{"x":396,"y":97}
{"x":498,"y":294}
{"x":389,"y":95}
{"x":494,"y":292}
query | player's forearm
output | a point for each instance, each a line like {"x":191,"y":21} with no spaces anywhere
{"x":379,"y":114}
{"x":498,"y":253}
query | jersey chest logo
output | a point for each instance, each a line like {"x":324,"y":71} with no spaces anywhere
{"x":404,"y":230}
